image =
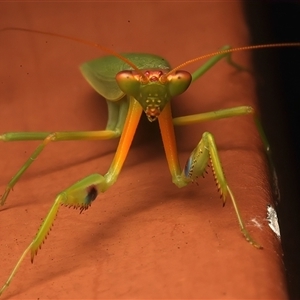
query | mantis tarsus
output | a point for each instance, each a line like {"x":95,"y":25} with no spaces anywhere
{"x":142,"y":82}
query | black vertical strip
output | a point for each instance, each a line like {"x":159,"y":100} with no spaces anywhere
{"x":278,"y":89}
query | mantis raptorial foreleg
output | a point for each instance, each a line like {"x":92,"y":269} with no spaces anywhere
{"x":80,"y":195}
{"x":205,"y":152}
{"x":84,"y":192}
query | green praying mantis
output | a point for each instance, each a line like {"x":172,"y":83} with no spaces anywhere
{"x":133,"y":83}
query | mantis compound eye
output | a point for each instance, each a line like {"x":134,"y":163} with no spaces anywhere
{"x":179,"y":82}
{"x":128,"y":82}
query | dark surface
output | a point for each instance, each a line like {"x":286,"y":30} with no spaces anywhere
{"x":279,"y":97}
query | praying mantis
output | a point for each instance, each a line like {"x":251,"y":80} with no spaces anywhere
{"x":133,"y":83}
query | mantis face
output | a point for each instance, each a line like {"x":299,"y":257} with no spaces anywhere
{"x":154,"y":88}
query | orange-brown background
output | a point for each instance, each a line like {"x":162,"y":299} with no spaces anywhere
{"x":144,"y":238}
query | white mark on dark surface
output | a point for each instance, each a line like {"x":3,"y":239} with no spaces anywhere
{"x":273,"y":220}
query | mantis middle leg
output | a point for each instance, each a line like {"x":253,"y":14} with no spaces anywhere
{"x":116,"y":119}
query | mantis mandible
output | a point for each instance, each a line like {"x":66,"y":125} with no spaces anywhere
{"x":133,"y":83}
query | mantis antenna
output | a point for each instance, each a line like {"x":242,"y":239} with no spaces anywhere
{"x":231,"y":50}
{"x":127,"y":61}
{"x":79,"y":40}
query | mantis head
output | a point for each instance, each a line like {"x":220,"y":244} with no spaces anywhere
{"x":153,"y":88}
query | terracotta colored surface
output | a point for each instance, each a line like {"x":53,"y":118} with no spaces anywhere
{"x":144,"y":238}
